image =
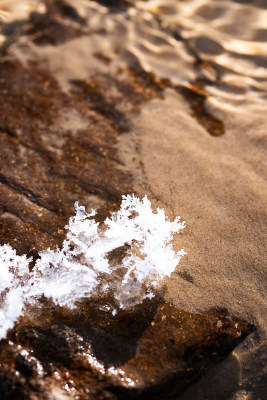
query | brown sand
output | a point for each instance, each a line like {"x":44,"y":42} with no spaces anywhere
{"x":217,"y":186}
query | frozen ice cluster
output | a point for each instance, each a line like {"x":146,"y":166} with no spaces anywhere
{"x":83,"y":267}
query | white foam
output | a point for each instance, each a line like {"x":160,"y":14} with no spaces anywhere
{"x":81,"y":268}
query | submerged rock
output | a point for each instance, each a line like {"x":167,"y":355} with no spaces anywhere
{"x":154,"y":351}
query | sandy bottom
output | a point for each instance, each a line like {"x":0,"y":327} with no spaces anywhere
{"x":217,"y":186}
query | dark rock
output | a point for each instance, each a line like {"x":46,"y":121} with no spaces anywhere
{"x":154,"y":351}
{"x":45,"y":167}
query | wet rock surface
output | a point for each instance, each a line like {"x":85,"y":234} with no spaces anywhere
{"x":58,"y":147}
{"x":47,"y":163}
{"x":154,"y":351}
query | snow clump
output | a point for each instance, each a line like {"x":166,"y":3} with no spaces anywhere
{"x":83,"y":268}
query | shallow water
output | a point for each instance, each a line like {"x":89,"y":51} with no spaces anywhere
{"x":210,"y":58}
{"x":215,"y":48}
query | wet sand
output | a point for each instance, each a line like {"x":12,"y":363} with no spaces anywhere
{"x":217,"y":187}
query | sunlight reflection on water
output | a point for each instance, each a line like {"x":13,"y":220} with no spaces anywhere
{"x":12,"y":10}
{"x":222,"y":43}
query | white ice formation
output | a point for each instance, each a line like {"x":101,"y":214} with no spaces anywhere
{"x":82,"y":267}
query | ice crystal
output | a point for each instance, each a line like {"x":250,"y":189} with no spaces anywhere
{"x":82,"y":268}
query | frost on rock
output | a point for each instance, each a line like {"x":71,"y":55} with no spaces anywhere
{"x":81,"y":268}
{"x":14,"y":276}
